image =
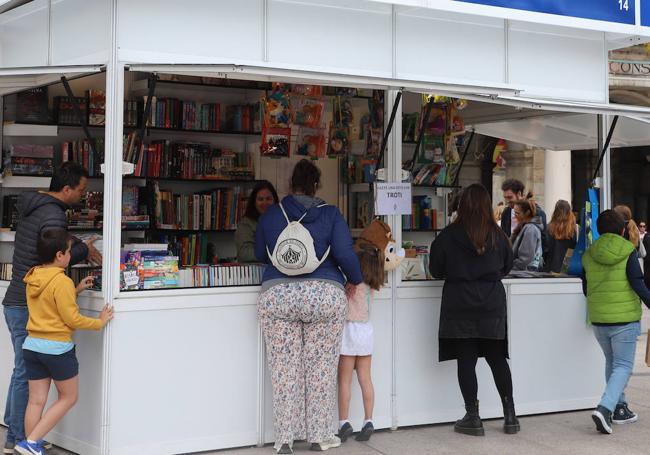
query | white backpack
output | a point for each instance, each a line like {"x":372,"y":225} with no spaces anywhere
{"x":294,"y":252}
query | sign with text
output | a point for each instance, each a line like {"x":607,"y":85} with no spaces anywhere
{"x":392,"y":198}
{"x":618,"y":11}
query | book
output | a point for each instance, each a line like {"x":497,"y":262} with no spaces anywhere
{"x":64,"y":113}
{"x":96,"y":107}
{"x":32,"y":106}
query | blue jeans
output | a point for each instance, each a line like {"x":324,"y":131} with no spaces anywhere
{"x":17,"y":317}
{"x":619,"y":346}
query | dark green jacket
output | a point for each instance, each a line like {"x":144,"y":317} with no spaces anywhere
{"x":610,"y":297}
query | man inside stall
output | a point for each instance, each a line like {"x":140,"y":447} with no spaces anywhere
{"x":37,"y":212}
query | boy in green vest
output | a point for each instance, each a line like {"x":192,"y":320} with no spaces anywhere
{"x":613,"y":283}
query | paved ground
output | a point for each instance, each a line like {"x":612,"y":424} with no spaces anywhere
{"x":566,"y":433}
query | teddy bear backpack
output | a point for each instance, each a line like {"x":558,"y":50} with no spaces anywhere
{"x":294,"y":252}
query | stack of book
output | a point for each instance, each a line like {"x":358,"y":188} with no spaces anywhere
{"x":64,"y":113}
{"x":96,"y":107}
{"x":79,"y":273}
{"x":10,"y":211}
{"x":430,"y":175}
{"x":191,"y":249}
{"x":83,"y":218}
{"x":27,"y":159}
{"x":80,"y":152}
{"x":222,"y":275}
{"x":216,"y":210}
{"x":148,"y":266}
{"x":423,"y":217}
{"x":173,"y":113}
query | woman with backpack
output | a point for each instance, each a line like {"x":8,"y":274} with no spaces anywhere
{"x":302,"y":308}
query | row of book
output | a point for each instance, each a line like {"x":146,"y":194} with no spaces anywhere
{"x":173,"y":113}
{"x":191,"y":249}
{"x":10,"y":211}
{"x":79,"y":273}
{"x":81,"y":152}
{"x":222,"y":275}
{"x":149,"y":268}
{"x":431,"y":175}
{"x":6,"y":269}
{"x":423,"y":216}
{"x":417,"y":268}
{"x":29,"y":159}
{"x":217,"y":210}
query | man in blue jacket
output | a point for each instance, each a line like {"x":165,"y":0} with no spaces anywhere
{"x":38,"y":212}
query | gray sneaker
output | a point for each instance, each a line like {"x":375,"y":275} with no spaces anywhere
{"x":9,"y":448}
{"x":331,"y":443}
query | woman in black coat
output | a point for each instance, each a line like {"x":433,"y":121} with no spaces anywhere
{"x":472,"y":255}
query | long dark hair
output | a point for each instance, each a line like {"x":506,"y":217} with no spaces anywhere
{"x":476,"y":217}
{"x":305,"y":178}
{"x":251,"y":210}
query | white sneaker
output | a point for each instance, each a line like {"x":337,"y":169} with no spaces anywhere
{"x":331,"y":443}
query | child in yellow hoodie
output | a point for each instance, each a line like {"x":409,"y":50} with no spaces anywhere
{"x":49,"y":351}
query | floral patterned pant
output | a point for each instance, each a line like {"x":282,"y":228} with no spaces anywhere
{"x":303,"y":324}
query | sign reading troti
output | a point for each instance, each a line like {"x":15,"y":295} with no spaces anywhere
{"x":392,"y":198}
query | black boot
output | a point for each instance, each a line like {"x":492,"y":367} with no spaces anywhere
{"x":470,"y":424}
{"x":510,"y":421}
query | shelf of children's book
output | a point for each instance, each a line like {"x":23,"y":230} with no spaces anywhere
{"x":449,"y":187}
{"x":99,"y":229}
{"x":221,"y":132}
{"x":189,"y":231}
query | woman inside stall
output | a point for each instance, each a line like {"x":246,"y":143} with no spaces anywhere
{"x":472,"y":255}
{"x":261,"y":198}
{"x":302,"y":308}
{"x":527,"y":237}
{"x":562,"y":235}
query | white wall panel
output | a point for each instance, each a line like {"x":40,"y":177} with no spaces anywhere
{"x":67,"y":15}
{"x":24,"y":36}
{"x":195,"y":31}
{"x":435,"y":45}
{"x":557,"y":62}
{"x":334,"y":35}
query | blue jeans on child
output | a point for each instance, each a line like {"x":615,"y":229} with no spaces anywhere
{"x":618,"y":343}
{"x":16,"y":318}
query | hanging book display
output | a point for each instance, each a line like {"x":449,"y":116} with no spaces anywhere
{"x":308,"y":119}
{"x":276,"y":133}
{"x":339,"y":139}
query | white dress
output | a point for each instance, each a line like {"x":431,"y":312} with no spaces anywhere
{"x":357,"y":338}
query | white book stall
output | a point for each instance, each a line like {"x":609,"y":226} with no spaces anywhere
{"x":182,"y":367}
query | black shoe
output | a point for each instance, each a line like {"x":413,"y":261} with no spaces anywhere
{"x":345,"y":432}
{"x":471,"y":424}
{"x":623,"y":415}
{"x":510,"y":421}
{"x":285,"y":449}
{"x":365,"y":433}
{"x":603,"y":419}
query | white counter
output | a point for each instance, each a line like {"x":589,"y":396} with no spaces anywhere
{"x":185,"y":369}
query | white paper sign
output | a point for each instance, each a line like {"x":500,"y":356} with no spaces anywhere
{"x":392,"y":199}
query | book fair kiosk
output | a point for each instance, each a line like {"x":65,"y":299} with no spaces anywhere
{"x":182,"y":367}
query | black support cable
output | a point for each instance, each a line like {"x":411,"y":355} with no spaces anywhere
{"x":605,"y":147}
{"x":423,"y":125}
{"x":462,"y":160}
{"x":389,"y":128}
{"x":78,"y":114}
{"x":147,"y":107}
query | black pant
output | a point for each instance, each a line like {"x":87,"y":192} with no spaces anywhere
{"x":468,"y":352}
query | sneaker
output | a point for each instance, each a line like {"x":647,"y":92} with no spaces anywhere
{"x":331,"y":443}
{"x":623,"y":415}
{"x":603,"y":419}
{"x":25,"y":448}
{"x":365,"y":433}
{"x":345,"y":432}
{"x":9,"y":448}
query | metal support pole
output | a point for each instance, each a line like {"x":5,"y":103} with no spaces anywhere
{"x":462,"y":160}
{"x":78,"y":114}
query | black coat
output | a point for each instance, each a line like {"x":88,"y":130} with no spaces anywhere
{"x":557,"y":251}
{"x":37,"y":212}
{"x":473,"y":297}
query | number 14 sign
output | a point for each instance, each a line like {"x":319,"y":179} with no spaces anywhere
{"x":618,"y":11}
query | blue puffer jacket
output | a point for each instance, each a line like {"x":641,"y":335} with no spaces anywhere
{"x":328,"y":229}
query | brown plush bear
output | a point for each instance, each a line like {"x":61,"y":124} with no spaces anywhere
{"x":380,"y":236}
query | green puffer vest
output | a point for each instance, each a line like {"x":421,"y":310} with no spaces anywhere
{"x":610,"y":298}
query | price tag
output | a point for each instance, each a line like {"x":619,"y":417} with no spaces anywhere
{"x":392,"y":198}
{"x":618,"y":11}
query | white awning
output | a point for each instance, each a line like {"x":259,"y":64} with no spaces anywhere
{"x":14,"y":80}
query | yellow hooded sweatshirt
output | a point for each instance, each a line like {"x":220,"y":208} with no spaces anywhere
{"x":52,"y":304}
